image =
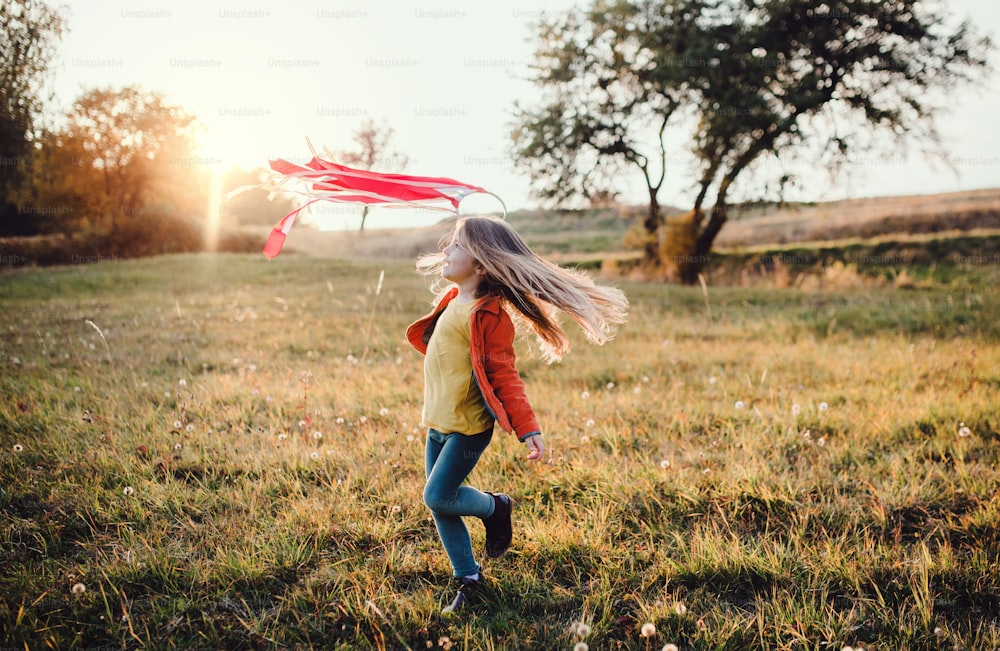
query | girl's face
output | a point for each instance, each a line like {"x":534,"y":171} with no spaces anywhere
{"x":459,"y":265}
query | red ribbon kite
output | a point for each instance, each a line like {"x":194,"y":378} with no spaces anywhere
{"x":328,"y":181}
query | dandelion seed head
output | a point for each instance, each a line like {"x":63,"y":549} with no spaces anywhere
{"x":189,"y":428}
{"x":590,"y":422}
{"x":363,"y":419}
{"x":18,"y":447}
{"x":182,"y":382}
{"x":178,"y":446}
{"x":282,"y":437}
{"x":317,"y":435}
{"x":964,"y":431}
{"x":823,"y":406}
{"x":637,"y":390}
{"x":645,"y":378}
{"x":128,"y":491}
{"x":670,"y":647}
{"x":178,"y":424}
{"x":821,"y":441}
{"x":796,"y":409}
{"x":680,"y":608}
{"x":581,"y":646}
{"x":713,"y":380}
{"x":78,"y":588}
{"x":340,"y":421}
{"x":582,"y":629}
{"x":396,"y":508}
{"x":665,"y":464}
{"x":384,"y":411}
{"x":585,"y":394}
{"x":740,"y":404}
{"x":584,"y":438}
{"x":314,"y":455}
{"x":610,"y":385}
{"x":648,"y":629}
{"x":409,"y":438}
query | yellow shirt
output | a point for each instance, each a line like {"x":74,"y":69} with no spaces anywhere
{"x":452,"y":400}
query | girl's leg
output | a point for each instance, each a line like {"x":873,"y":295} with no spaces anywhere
{"x":449,"y":460}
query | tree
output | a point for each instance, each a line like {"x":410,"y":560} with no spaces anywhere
{"x":30,"y":30}
{"x":122,"y":164}
{"x":373,"y":151}
{"x":754,"y":78}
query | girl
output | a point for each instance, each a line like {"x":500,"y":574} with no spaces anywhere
{"x":470,"y":380}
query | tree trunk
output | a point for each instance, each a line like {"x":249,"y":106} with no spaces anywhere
{"x":651,"y":251}
{"x":720,"y":212}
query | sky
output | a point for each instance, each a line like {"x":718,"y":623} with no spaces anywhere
{"x":263,"y":76}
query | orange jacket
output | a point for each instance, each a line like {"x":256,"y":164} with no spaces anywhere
{"x":492,"y":349}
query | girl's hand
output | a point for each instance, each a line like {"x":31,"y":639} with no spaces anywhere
{"x":537,"y":449}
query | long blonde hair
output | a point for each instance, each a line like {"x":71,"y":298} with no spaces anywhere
{"x":533,"y":289}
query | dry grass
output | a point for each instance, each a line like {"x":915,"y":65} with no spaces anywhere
{"x":863,"y":218}
{"x":798,"y":469}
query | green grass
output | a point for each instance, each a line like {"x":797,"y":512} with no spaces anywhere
{"x":788,"y":465}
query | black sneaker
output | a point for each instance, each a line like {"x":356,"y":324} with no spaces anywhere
{"x":467,"y":588}
{"x":499,"y":532}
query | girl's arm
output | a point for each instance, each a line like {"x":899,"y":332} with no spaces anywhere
{"x":505,"y":382}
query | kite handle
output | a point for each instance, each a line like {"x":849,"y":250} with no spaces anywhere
{"x":503,"y":206}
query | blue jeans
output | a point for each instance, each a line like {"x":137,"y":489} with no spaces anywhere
{"x":449,"y":460}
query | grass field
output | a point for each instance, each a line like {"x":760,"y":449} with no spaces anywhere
{"x":220,"y":452}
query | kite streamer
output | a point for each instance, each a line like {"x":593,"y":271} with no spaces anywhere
{"x":324,"y":180}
